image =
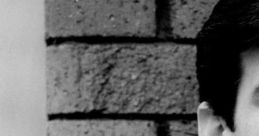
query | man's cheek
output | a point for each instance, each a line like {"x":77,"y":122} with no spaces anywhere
{"x":248,"y":124}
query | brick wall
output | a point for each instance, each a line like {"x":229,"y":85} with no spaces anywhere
{"x":123,"y":67}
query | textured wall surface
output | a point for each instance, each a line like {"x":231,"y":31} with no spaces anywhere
{"x":184,"y":18}
{"x":102,"y":128}
{"x":101,"y":17}
{"x":123,"y":67}
{"x":128,"y":78}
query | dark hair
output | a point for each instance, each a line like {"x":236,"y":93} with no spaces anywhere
{"x":233,"y":28}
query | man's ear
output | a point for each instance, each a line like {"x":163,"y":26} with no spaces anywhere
{"x":209,"y":124}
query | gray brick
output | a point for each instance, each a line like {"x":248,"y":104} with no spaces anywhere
{"x":128,"y":78}
{"x":183,"y":128}
{"x":101,"y":128}
{"x":100,"y":17}
{"x":186,"y":17}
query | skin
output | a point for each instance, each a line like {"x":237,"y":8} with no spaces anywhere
{"x":247,"y":110}
{"x":246,"y":117}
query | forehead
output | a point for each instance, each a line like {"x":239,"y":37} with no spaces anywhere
{"x":250,"y":59}
{"x":250,"y":67}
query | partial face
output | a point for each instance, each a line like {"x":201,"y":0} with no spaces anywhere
{"x":246,"y":115}
{"x":247,"y":110}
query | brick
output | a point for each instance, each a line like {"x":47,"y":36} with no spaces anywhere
{"x":183,"y":128}
{"x":122,"y":78}
{"x":100,"y":18}
{"x":185,"y":18}
{"x":101,"y":128}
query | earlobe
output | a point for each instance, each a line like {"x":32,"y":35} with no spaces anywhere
{"x":209,"y":124}
{"x":226,"y":130}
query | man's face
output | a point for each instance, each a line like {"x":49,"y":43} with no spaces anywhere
{"x":247,"y":109}
{"x":246,"y":115}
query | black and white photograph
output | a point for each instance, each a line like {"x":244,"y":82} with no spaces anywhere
{"x":129,"y":68}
